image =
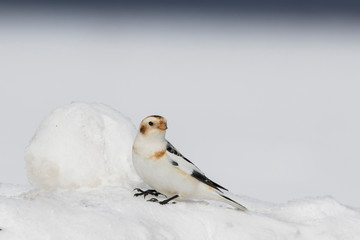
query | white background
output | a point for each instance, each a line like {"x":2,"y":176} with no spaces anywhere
{"x":267,"y":107}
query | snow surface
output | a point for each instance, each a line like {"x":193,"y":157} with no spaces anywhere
{"x":82,"y":145}
{"x":113,"y":213}
{"x":81,"y":152}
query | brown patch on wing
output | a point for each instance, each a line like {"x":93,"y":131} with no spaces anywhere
{"x":181,"y":172}
{"x":187,"y":176}
{"x":157,"y":155}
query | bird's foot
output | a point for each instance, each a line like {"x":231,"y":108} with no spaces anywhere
{"x":166,"y":201}
{"x":152,"y":192}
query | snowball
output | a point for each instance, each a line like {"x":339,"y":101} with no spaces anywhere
{"x":82,"y":145}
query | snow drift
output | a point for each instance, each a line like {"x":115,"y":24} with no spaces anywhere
{"x":82,"y":152}
{"x":82,"y":145}
{"x":113,"y":213}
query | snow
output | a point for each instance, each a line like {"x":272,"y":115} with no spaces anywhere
{"x":113,"y":213}
{"x":79,"y":163}
{"x":82,"y":145}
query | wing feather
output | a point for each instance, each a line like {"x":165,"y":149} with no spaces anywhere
{"x":178,"y":160}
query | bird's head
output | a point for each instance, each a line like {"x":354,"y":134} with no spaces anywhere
{"x":153,"y":125}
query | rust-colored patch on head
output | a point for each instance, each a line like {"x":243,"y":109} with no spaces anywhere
{"x":157,"y":155}
{"x":151,"y":123}
{"x":143,"y":129}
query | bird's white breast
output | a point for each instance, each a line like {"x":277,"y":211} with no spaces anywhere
{"x":160,"y":173}
{"x":151,"y":163}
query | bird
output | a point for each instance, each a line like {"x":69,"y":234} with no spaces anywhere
{"x":161,"y":166}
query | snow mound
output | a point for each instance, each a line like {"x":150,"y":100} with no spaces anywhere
{"x":82,"y":145}
{"x":113,"y":213}
{"x":80,"y":159}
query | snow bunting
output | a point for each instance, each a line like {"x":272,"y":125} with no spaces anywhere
{"x":166,"y":170}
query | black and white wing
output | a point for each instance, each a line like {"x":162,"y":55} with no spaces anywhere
{"x":178,"y":160}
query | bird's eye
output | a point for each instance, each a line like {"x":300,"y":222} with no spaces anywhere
{"x":151,"y":123}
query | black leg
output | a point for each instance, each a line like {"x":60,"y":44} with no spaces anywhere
{"x":168,"y":200}
{"x":147,"y":192}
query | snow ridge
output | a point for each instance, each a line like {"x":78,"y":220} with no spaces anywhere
{"x":113,"y":213}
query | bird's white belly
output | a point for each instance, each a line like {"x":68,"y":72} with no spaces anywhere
{"x":164,"y":177}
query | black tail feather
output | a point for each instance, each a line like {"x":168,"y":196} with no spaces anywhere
{"x":234,"y":203}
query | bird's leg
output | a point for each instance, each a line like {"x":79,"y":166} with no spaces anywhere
{"x":168,"y":200}
{"x":147,"y":192}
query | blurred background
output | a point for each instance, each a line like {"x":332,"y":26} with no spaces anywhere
{"x":263,"y":96}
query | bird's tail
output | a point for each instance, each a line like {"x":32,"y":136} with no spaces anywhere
{"x":232,"y":203}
